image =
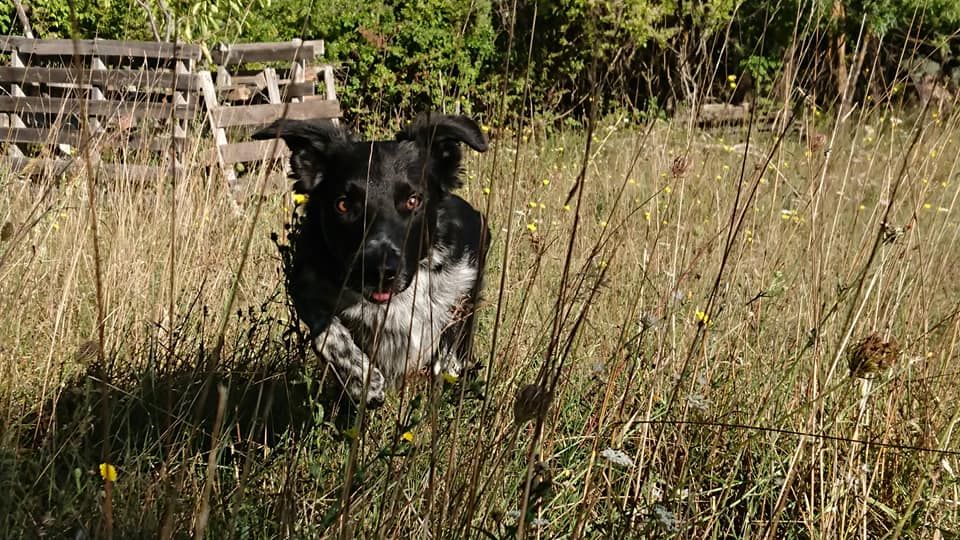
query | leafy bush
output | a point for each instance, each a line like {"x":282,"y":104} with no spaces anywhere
{"x":395,"y":58}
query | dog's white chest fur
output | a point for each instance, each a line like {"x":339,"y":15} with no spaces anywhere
{"x":403,"y":335}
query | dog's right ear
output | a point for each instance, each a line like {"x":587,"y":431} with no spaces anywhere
{"x":310,"y":143}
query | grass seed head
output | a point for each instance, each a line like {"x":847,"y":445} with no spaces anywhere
{"x":871,"y":355}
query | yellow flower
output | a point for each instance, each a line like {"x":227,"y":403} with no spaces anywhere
{"x":532,"y":227}
{"x":631,"y":181}
{"x":484,"y":128}
{"x":602,"y":264}
{"x":450,"y":378}
{"x":300,"y":199}
{"x":407,"y":436}
{"x":533,"y":204}
{"x":933,"y":153}
{"x":731,"y":78}
{"x":646,"y":216}
{"x":486,"y":191}
{"x":927,"y":206}
{"x":566,"y":208}
{"x":108,"y":472}
{"x":603,"y":224}
{"x":702,"y":317}
{"x":546,"y":182}
{"x":667,"y":190}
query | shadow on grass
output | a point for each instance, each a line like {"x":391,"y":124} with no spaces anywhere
{"x":156,"y":425}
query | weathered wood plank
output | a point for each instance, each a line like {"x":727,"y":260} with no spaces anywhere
{"x":127,"y":109}
{"x":254,"y":115}
{"x":40,"y":135}
{"x":280,"y":51}
{"x":71,"y":136}
{"x":299,"y":90}
{"x":57,"y":167}
{"x":253,"y":151}
{"x":100,"y":47}
{"x":118,"y":78}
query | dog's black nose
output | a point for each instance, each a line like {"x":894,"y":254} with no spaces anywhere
{"x":382,"y":266}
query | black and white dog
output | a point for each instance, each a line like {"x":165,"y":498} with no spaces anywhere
{"x":387,"y":261}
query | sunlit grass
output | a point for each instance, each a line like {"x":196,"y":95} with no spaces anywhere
{"x":705,"y":392}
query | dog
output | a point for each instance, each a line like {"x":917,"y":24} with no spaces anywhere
{"x":387,"y":262}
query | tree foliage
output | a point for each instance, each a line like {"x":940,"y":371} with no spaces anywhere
{"x":395,"y":57}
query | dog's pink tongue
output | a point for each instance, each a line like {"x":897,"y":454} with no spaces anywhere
{"x":380,"y":296}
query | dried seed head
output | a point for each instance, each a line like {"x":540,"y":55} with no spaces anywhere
{"x":531,"y":400}
{"x":872,"y":355}
{"x":891,"y":234}
{"x":681,"y":164}
{"x":817,"y":141}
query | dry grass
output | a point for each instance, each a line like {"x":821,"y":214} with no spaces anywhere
{"x":705,"y":328}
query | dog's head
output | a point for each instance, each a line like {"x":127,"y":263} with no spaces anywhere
{"x":372,"y":205}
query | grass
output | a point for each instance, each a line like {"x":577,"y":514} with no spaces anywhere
{"x":700,"y":338}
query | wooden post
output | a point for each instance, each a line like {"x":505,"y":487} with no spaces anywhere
{"x":14,"y":119}
{"x":219,"y":134}
{"x":273,"y":85}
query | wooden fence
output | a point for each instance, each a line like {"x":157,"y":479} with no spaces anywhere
{"x":121,"y":97}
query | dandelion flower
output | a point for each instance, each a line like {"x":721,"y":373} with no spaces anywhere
{"x":532,"y":227}
{"x":407,"y":436}
{"x":300,"y":199}
{"x":533,"y":204}
{"x":667,"y":190}
{"x":603,"y":224}
{"x":731,"y":78}
{"x":646,"y":216}
{"x":546,"y":182}
{"x":617,"y":457}
{"x":702,"y":317}
{"x":927,"y":206}
{"x":108,"y":472}
{"x":486,"y":191}
{"x":566,"y":208}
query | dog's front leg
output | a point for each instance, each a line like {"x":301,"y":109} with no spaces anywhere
{"x":335,"y":345}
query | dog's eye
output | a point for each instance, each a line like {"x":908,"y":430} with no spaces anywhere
{"x":413,"y":202}
{"x":342,"y":206}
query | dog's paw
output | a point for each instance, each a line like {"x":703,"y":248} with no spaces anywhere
{"x":373,"y":394}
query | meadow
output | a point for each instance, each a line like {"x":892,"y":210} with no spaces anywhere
{"x":735,"y":332}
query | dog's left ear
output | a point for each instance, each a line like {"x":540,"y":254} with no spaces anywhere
{"x":310,"y":142}
{"x":440,"y":135}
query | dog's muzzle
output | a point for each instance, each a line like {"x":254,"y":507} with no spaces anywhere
{"x":382,"y":270}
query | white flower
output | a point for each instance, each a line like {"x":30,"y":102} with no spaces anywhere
{"x":539,"y":522}
{"x":665,"y":517}
{"x":698,"y":402}
{"x":617,"y":458}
